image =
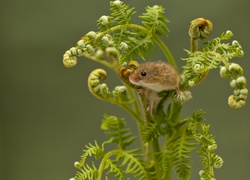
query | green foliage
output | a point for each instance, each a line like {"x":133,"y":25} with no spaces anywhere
{"x":87,"y":172}
{"x":213,"y":54}
{"x":118,"y":39}
{"x":113,"y":45}
{"x":207,"y":145}
{"x":115,"y":128}
{"x":121,"y":12}
{"x":216,"y":54}
{"x":152,"y":130}
{"x":181,"y":149}
{"x":155,"y":21}
{"x":119,"y":161}
{"x":177,"y":152}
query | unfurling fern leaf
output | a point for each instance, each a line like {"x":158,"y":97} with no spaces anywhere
{"x":87,"y":172}
{"x":207,"y":145}
{"x":115,"y":127}
{"x":177,"y":156}
{"x":90,"y":150}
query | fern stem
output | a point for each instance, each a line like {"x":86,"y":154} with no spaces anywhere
{"x":157,"y":156}
{"x":168,"y":173}
{"x":123,"y":26}
{"x":105,"y":63}
{"x":211,"y":168}
{"x":193,"y":44}
{"x":137,"y":111}
{"x":103,"y":162}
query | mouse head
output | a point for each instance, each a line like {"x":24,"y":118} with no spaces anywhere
{"x":155,"y":75}
{"x":148,"y":72}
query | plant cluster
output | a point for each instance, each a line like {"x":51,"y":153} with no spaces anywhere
{"x":116,"y":42}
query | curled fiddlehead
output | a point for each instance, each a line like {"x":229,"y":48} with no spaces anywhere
{"x":101,"y":91}
{"x":124,"y":72}
{"x":118,"y":96}
{"x":200,"y":28}
{"x":196,"y":71}
{"x":68,"y":60}
{"x":238,"y":81}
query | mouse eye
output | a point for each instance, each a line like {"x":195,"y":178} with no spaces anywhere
{"x":143,"y":73}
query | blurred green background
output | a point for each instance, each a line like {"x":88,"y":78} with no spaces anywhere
{"x":48,"y":115}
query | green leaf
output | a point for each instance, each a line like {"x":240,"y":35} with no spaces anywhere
{"x":116,"y":128}
{"x":155,"y":21}
{"x":121,"y":13}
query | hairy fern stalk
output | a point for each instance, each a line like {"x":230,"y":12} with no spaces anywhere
{"x":114,"y":44}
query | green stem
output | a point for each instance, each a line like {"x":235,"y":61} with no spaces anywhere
{"x":168,"y":173}
{"x":157,"y":156}
{"x":103,"y":162}
{"x":105,"y":63}
{"x":124,"y":26}
{"x":194,"y":44}
{"x":165,"y":50}
{"x":211,"y":167}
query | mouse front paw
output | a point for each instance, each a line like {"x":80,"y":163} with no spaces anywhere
{"x":140,"y":91}
{"x":183,"y":96}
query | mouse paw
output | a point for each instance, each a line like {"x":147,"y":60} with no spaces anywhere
{"x":183,"y":96}
{"x":179,"y":95}
{"x":140,"y":91}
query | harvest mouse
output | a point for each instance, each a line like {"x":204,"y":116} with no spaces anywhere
{"x":154,"y":77}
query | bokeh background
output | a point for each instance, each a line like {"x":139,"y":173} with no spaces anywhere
{"x":47,"y":114}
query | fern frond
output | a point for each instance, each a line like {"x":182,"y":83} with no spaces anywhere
{"x":115,"y":127}
{"x":139,"y":45}
{"x":207,"y":144}
{"x":216,"y":54}
{"x":213,"y":55}
{"x":90,"y":150}
{"x":87,"y":173}
{"x":151,"y":130}
{"x":226,"y":50}
{"x":177,"y":156}
{"x":114,"y":169}
{"x":121,"y":12}
{"x":182,"y":158}
{"x":197,"y":116}
{"x":104,"y":23}
{"x":116,"y":31}
{"x":121,"y":95}
{"x":133,"y":165}
{"x":155,"y":21}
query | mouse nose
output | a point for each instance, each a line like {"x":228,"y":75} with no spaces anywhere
{"x":133,"y":78}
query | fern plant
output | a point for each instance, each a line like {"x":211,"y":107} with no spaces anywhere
{"x":115,"y":44}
